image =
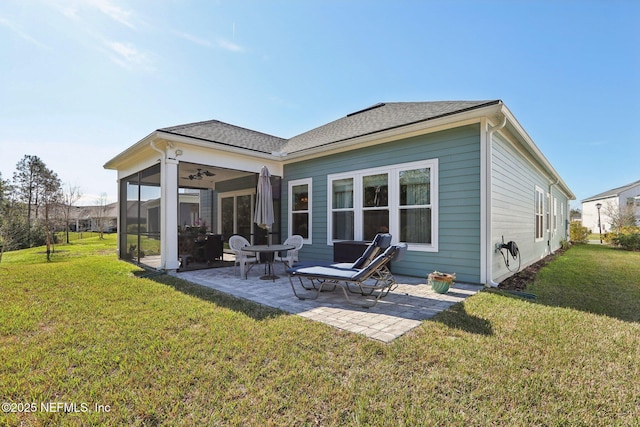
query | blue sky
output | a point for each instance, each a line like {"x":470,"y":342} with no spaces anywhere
{"x":83,"y":80}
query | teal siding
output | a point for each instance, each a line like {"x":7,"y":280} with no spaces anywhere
{"x":514,"y":179}
{"x":458,"y":153}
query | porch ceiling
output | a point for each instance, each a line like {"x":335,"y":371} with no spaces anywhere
{"x":192,"y":175}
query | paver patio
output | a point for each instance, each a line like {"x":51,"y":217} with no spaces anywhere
{"x":400,"y":311}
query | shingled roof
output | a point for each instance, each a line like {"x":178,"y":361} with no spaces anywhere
{"x":224,"y":133}
{"x":377,"y":118}
{"x":614,"y":192}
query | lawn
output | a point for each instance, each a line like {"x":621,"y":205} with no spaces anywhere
{"x":93,"y":334}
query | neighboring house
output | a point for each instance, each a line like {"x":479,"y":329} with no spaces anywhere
{"x":453,"y":179}
{"x":612,"y":201}
{"x":92,"y":218}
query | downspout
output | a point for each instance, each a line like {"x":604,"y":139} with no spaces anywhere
{"x":489,"y":180}
{"x":162,"y":153}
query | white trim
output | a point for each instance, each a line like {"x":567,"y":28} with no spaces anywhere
{"x":393,"y":174}
{"x":555,"y":215}
{"x":309,"y":183}
{"x":547,"y":213}
{"x":536,"y":214}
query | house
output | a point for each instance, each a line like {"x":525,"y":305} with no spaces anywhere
{"x":611,"y":203}
{"x":93,"y":218}
{"x":453,"y":179}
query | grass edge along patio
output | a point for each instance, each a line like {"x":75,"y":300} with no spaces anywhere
{"x":161,"y":351}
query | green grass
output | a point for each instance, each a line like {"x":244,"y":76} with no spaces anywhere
{"x":87,"y":328}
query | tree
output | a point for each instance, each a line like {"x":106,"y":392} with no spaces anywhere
{"x":5,"y":192}
{"x":26,"y":181}
{"x":620,"y":217}
{"x":14,"y":230}
{"x":36,"y":186}
{"x":101,"y":210}
{"x":70,"y":196}
{"x":49,"y":194}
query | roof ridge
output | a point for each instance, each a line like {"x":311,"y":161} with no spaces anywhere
{"x":186,"y":125}
{"x":172,"y":129}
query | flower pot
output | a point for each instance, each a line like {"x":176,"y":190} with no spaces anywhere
{"x":440,"y":282}
{"x":439,"y":286}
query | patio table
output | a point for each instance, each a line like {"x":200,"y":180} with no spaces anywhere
{"x":269,"y":251}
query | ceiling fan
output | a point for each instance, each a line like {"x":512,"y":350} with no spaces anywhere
{"x":199,"y":175}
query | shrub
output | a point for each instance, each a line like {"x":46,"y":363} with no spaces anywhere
{"x":578,"y":232}
{"x":134,"y":229}
{"x":626,"y":237}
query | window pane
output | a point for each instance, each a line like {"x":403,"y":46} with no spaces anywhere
{"x":343,"y":225}
{"x":299,"y":226}
{"x":415,"y":225}
{"x":300,"y":197}
{"x":227,"y":217}
{"x":375,"y":190}
{"x":244,"y":218}
{"x":375,"y":221}
{"x":343,"y":193}
{"x":415,"y":187}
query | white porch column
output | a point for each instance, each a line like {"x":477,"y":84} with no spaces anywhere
{"x":169,"y":218}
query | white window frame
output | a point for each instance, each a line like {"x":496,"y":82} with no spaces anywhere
{"x":309,"y":183}
{"x":555,"y":215}
{"x":235,"y":194}
{"x":547,"y":217}
{"x":538,"y":214}
{"x":393,"y":173}
{"x":562,"y":222}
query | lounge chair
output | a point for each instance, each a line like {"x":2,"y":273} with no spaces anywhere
{"x":381,"y":242}
{"x":369,"y":279}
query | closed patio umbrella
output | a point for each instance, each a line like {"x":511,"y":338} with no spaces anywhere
{"x":263,"y":216}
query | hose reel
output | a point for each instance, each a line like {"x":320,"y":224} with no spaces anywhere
{"x":511,"y":249}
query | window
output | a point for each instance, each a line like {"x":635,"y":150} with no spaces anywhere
{"x":555,"y":214}
{"x":375,"y":206}
{"x":548,"y":216}
{"x":415,"y":206}
{"x":342,"y":216}
{"x":539,"y":213}
{"x":299,"y":211}
{"x":399,"y":199}
{"x":631,"y":201}
{"x":236,"y":213}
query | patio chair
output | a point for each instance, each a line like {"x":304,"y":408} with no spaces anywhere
{"x":371,"y":278}
{"x":213,"y":248}
{"x":236,"y":243}
{"x":381,"y":242}
{"x":384,"y":274}
{"x":289,"y":257}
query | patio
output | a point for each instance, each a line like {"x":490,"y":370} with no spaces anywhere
{"x":402,"y":310}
